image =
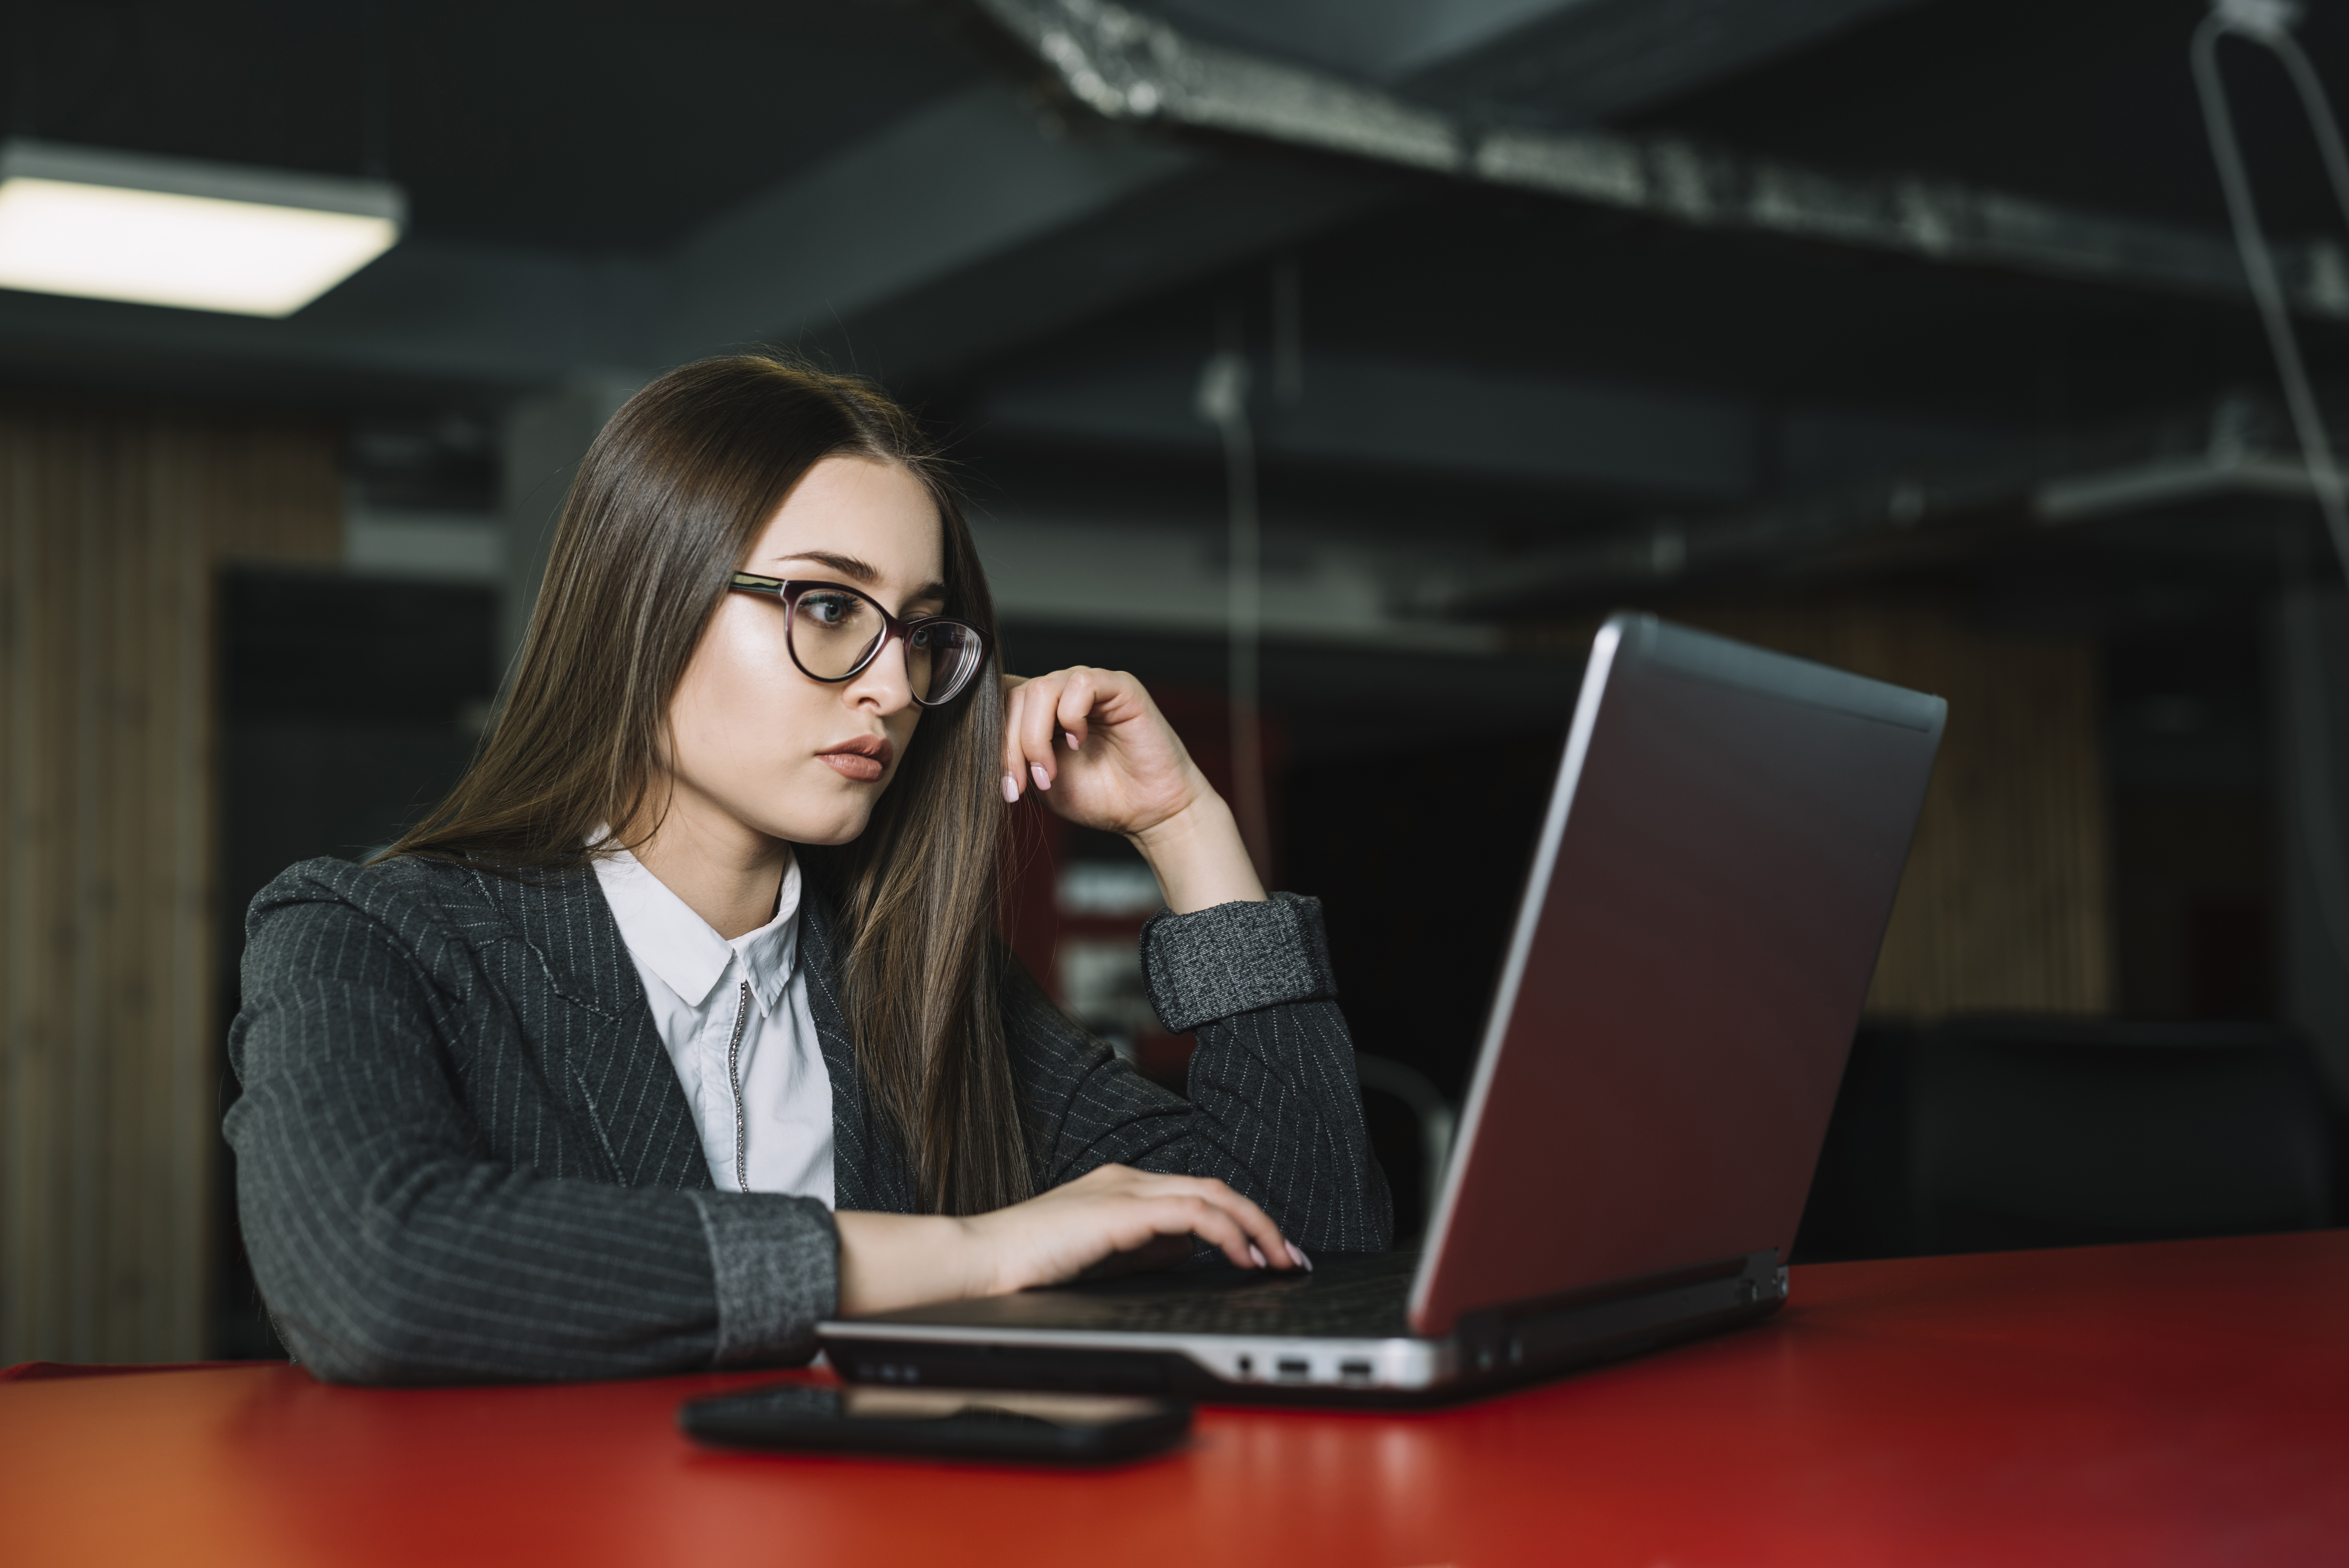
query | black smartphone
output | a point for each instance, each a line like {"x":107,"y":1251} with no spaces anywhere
{"x":939,"y":1423}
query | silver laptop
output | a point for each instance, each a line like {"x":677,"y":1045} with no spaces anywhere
{"x":1695,"y":938}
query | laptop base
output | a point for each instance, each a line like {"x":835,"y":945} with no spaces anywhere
{"x":1098,"y":1339}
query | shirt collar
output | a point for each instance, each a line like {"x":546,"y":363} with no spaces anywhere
{"x":663,"y":933}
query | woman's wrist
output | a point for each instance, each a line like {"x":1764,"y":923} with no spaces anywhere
{"x":892,"y":1261}
{"x":1199,"y":857}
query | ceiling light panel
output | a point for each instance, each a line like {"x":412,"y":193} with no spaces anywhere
{"x":100,"y":224}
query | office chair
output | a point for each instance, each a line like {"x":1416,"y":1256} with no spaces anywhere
{"x":2044,"y":1132}
{"x":1434,"y":1119}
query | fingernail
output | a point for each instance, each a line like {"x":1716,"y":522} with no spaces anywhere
{"x":1043,"y":780}
{"x":1297,"y":1255}
{"x":1072,"y":738}
{"x":1011,"y":789}
{"x":1257,"y":1254}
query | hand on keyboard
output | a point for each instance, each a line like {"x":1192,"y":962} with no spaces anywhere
{"x":891,"y":1260}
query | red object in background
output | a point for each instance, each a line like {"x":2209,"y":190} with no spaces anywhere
{"x":1036,"y":853}
{"x":2180,"y":1403}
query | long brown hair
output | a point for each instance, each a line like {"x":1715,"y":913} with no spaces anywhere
{"x":665,"y":507}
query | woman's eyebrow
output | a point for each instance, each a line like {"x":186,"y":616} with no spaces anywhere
{"x":848,"y":566}
{"x":864,"y":573}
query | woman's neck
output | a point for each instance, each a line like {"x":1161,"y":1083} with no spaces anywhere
{"x":728,"y":873}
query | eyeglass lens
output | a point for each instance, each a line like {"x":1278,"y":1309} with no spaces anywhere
{"x":833,"y":631}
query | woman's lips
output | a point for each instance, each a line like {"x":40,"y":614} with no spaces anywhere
{"x":849,"y":765}
{"x":864,"y":759}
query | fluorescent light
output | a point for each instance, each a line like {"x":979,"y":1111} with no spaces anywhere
{"x":100,"y":224}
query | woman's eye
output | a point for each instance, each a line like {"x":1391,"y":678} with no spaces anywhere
{"x":921,"y":639}
{"x":830,"y":610}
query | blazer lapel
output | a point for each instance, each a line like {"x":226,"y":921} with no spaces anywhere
{"x":601,"y":1052}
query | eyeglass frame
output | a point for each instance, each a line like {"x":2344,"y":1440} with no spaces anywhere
{"x":789,"y":589}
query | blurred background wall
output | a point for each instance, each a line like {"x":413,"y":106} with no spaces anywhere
{"x":1905,"y":335}
{"x":118,"y":523}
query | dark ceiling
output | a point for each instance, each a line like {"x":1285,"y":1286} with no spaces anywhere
{"x":2084,"y":102}
{"x":609,"y":124}
{"x":586,"y":125}
{"x":2087,"y":102}
{"x":602,"y":126}
{"x":1520,"y":282}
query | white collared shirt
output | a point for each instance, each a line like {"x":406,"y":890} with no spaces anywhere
{"x":734,"y":1016}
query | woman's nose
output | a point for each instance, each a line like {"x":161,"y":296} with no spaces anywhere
{"x":885,"y":682}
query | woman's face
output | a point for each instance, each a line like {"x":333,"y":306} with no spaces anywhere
{"x":755,"y":744}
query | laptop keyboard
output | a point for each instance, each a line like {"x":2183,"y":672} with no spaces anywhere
{"x":1361,"y":1298}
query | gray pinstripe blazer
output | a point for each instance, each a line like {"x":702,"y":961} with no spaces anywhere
{"x":463,"y":1152}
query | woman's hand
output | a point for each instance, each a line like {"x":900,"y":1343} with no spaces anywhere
{"x":1101,"y":755}
{"x":890,"y":1261}
{"x":1098,"y":745}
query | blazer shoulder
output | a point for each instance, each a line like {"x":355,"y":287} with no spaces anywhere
{"x":420,"y":899}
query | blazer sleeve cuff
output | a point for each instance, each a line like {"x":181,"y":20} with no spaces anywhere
{"x":1235,"y":958}
{"x":777,"y":1262}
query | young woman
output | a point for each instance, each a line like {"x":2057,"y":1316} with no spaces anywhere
{"x":683,"y":1023}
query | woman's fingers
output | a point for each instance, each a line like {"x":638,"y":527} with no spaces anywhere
{"x":1113,"y":1215}
{"x":1213,"y":1224}
{"x":1079,"y":696}
{"x":1227,"y":1220}
{"x":1143,"y":776}
{"x":1256,"y":1226}
{"x":1063,"y":703}
{"x":1014,"y":698}
{"x":1139,"y":1219}
{"x":1035,"y":726}
{"x":1024,"y":762}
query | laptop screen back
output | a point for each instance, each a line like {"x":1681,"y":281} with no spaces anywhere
{"x":1714,"y":879}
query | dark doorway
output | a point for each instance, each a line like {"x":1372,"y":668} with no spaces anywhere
{"x":348,"y":708}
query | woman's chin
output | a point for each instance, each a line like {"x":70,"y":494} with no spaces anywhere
{"x":832,"y":829}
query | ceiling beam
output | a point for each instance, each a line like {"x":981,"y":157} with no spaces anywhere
{"x":948,"y":187}
{"x":1072,"y":569}
{"x":1560,"y":61}
{"x":1582,"y":62}
{"x":2238,"y":452}
{"x":1374,"y":40}
{"x":1129,"y":67}
{"x":1213,"y":216}
{"x":1378,"y":411}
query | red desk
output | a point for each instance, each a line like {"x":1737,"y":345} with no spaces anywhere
{"x":2186,"y":1403}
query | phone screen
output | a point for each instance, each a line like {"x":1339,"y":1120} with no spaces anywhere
{"x":947,"y":1422}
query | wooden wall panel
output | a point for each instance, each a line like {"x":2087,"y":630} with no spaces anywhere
{"x":2007,"y":902}
{"x":112,"y":525}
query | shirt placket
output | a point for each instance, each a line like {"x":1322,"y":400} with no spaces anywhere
{"x":734,"y":1084}
{"x":724,"y":1052}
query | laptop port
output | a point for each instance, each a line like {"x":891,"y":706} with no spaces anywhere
{"x":1355,"y":1371}
{"x":1296,"y":1367}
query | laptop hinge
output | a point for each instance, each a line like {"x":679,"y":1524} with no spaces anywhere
{"x":1620,"y":1319}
